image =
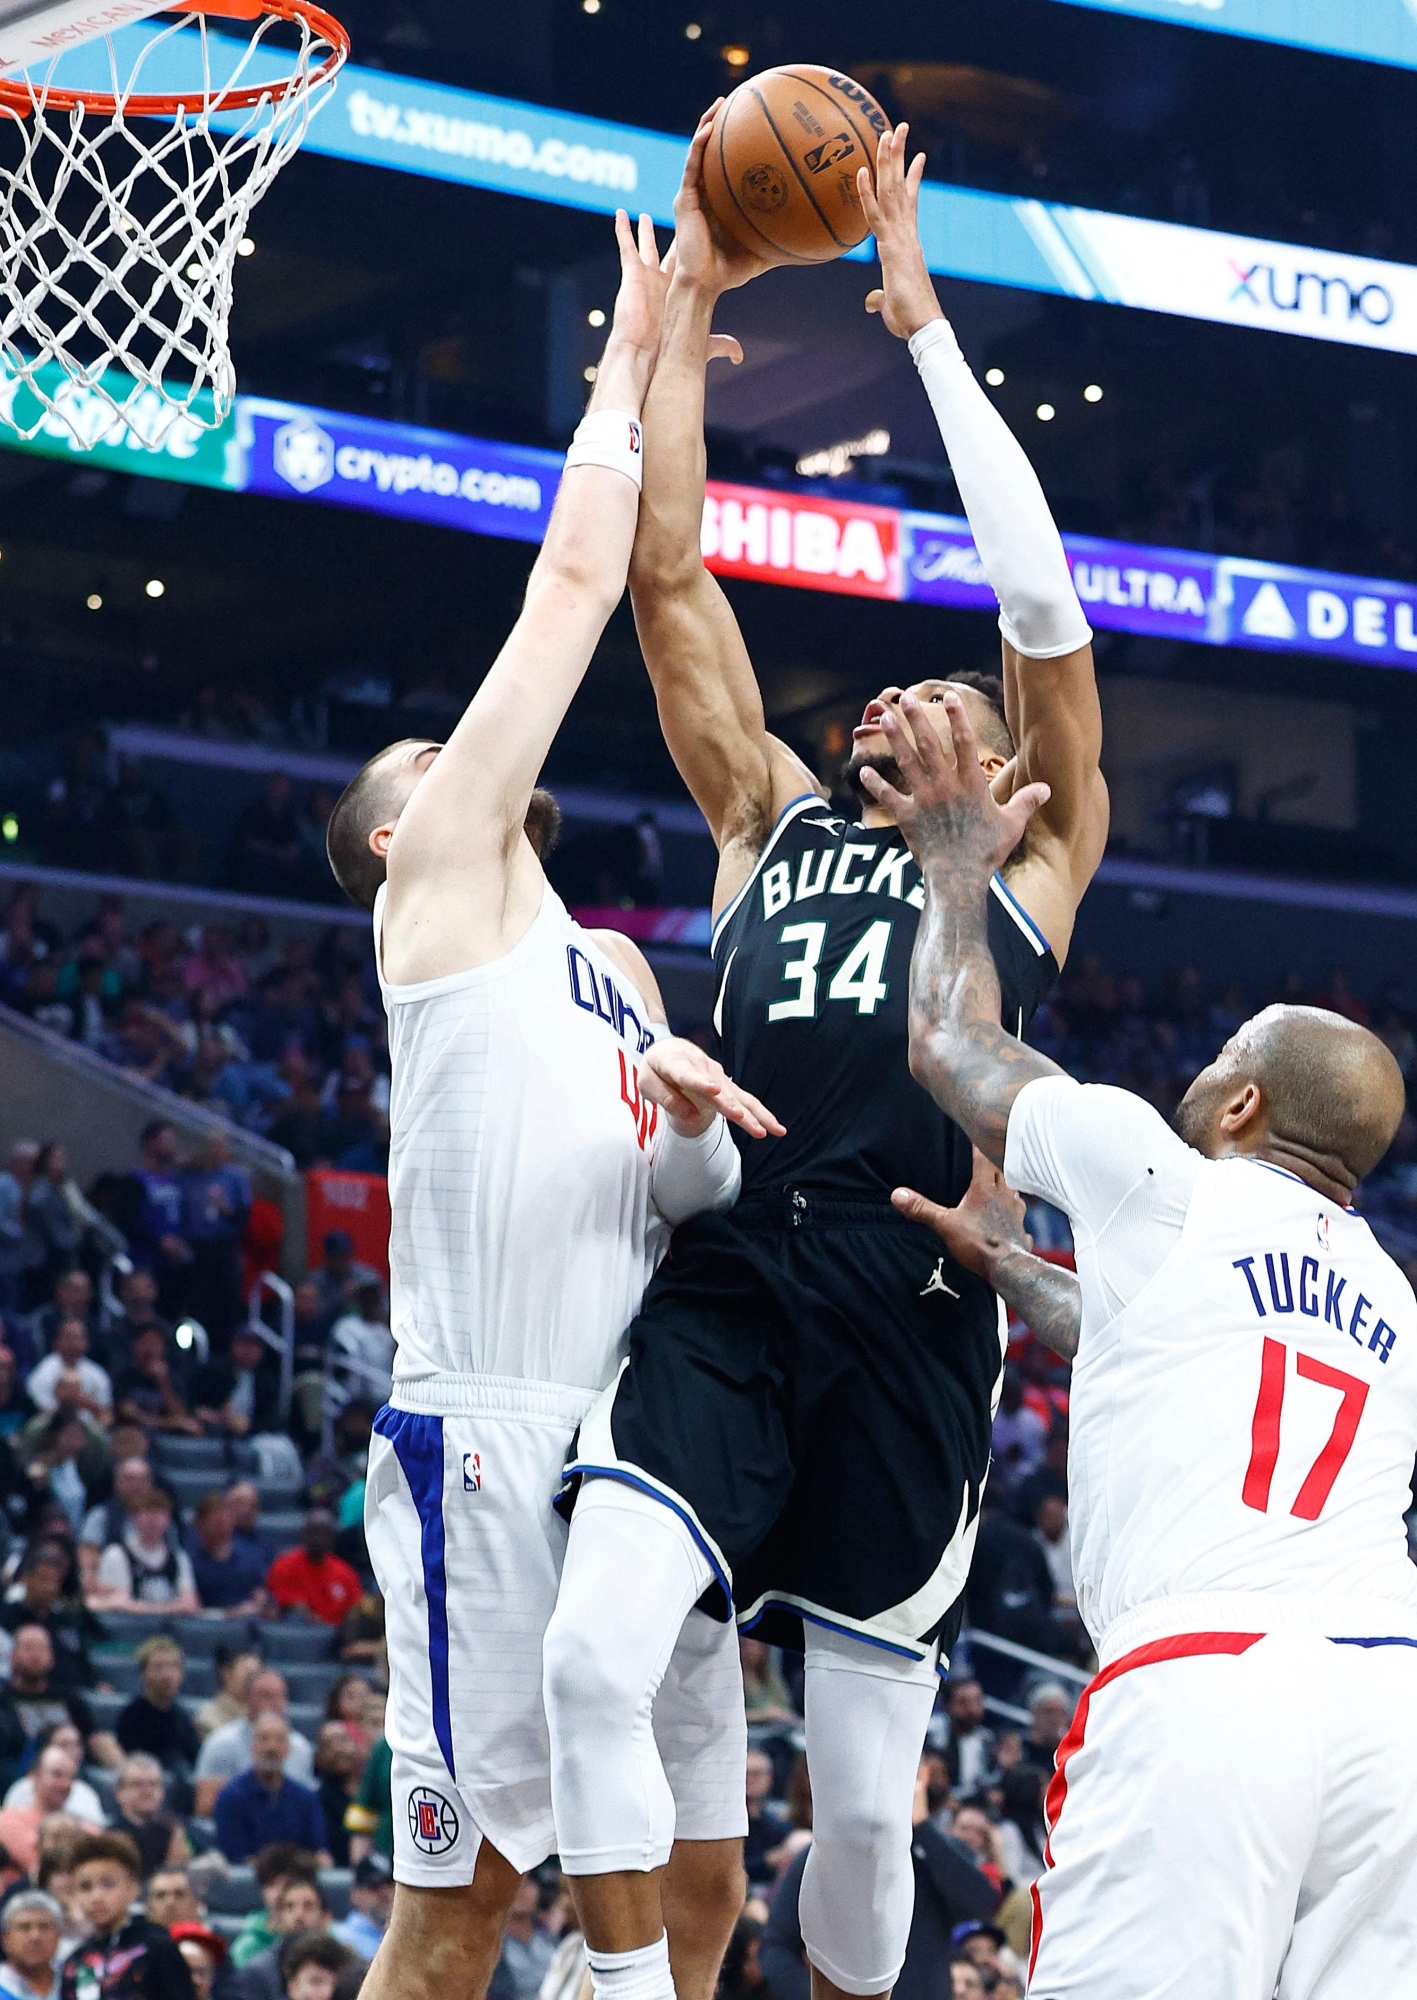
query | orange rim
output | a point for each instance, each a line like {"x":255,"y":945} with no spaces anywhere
{"x":19,"y":97}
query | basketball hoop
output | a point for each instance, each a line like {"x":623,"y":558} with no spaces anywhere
{"x":118,"y":241}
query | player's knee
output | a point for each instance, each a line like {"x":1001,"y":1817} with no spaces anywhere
{"x":853,"y":1829}
{"x":588,"y":1697}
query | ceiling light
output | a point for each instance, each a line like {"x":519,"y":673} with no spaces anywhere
{"x":591,"y":372}
{"x":1092,"y":393}
{"x":9,"y":828}
{"x":155,"y":586}
{"x":994,"y":377}
{"x":590,"y":6}
{"x":194,"y":272}
{"x":246,"y":247}
{"x":94,"y":601}
{"x":692,"y":31}
{"x":735,"y":55}
{"x":1045,"y":413}
{"x":835,"y":459}
{"x":595,"y":317}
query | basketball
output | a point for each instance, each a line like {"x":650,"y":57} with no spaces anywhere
{"x":780,"y":170}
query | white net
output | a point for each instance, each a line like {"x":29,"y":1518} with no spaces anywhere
{"x":120,"y":225}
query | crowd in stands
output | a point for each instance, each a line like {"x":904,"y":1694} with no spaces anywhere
{"x":193,"y":1774}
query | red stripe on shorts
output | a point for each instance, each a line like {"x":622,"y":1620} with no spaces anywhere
{"x":1184,"y":1646}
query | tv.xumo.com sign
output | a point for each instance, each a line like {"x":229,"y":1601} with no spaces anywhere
{"x":1309,"y":292}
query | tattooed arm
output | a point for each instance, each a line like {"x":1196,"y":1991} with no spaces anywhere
{"x":985,"y":1233}
{"x":959,"y":834}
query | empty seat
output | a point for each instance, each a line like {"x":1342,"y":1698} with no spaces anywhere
{"x":336,"y":1884}
{"x":200,"y":1637}
{"x":191,"y":1484}
{"x":282,"y":1524}
{"x":311,"y":1680}
{"x":183,"y":1454}
{"x":122,"y":1672}
{"x":122,"y":1630}
{"x":306,"y":1716}
{"x":293,"y":1642}
{"x":234,"y":1893}
{"x":106,"y":1708}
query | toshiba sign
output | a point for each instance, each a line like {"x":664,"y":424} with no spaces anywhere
{"x":816,"y":544}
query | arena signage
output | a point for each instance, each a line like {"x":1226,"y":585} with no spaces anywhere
{"x":184,"y":450}
{"x":419,"y":475}
{"x":510,"y":147}
{"x":1380,"y":31}
{"x":766,"y":534}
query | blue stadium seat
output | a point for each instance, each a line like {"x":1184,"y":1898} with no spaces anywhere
{"x":183,"y":1454}
{"x":336,"y":1884}
{"x":294,"y":1642}
{"x":233,"y":1894}
{"x":200,"y":1637}
{"x":126,"y":1629}
{"x":311,"y":1680}
{"x":106,"y":1707}
{"x":282,"y":1524}
{"x":190,"y":1484}
{"x":306,"y":1716}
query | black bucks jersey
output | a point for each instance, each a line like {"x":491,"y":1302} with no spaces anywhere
{"x":812,"y":960}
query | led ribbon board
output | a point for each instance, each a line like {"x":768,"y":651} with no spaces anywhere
{"x":817,"y":542}
{"x":1380,"y":31}
{"x":591,"y":163}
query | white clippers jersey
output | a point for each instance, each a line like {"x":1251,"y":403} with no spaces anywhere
{"x":519,"y":1164}
{"x":1243,"y":1416}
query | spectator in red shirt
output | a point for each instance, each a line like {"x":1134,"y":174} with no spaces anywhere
{"x":313,"y":1576}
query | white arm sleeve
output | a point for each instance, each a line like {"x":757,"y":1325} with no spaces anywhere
{"x":1120,"y":1174}
{"x":687,"y":1176}
{"x":1014,"y":531}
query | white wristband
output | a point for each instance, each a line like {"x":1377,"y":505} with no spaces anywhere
{"x":612,"y":439}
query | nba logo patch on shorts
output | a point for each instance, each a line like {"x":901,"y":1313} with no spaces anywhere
{"x":432,"y":1820}
{"x":472,"y":1472}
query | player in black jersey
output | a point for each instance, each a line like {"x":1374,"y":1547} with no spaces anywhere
{"x":810,"y":1383}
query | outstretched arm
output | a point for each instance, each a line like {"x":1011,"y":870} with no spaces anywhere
{"x":985,"y":1233}
{"x":959,"y":833}
{"x":709,"y":705}
{"x":1050,"y":687}
{"x":464,"y":881}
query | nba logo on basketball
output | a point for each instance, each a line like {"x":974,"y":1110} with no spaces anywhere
{"x":472,"y":1472}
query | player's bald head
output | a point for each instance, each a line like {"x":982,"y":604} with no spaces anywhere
{"x":1301,"y":1086}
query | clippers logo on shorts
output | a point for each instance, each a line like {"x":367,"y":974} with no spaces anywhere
{"x":472,"y":1472}
{"x":432,"y":1821}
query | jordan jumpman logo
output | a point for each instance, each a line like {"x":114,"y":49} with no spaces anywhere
{"x":937,"y":1282}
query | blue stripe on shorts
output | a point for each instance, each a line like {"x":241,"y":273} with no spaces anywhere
{"x":418,"y":1446}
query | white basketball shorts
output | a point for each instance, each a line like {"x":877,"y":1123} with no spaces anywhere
{"x":1235,"y":1816}
{"x":467,"y":1551}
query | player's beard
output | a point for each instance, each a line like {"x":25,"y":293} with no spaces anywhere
{"x":884,"y":767}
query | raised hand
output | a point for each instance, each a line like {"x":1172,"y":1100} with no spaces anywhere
{"x":692,"y":1088}
{"x":945,"y":808}
{"x":907,"y":300}
{"x":984,"y":1227}
{"x":703,"y":253}
{"x":639,"y":303}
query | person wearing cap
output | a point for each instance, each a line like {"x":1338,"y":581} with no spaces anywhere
{"x":30,"y":1924}
{"x":204,"y":1952}
{"x":985,"y":1946}
{"x":371,"y":1902}
{"x":341,"y":1274}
